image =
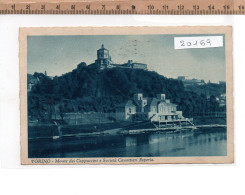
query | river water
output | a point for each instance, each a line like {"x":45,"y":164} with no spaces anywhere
{"x":202,"y":142}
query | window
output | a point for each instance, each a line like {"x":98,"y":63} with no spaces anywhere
{"x":129,"y":110}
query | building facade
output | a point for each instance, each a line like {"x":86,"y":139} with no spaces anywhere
{"x":188,"y":82}
{"x":140,"y":108}
{"x":104,"y":61}
{"x":103,"y":58}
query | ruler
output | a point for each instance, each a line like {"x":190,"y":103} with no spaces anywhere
{"x":165,"y":7}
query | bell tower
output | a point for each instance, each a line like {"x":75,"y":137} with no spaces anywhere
{"x":103,"y":57}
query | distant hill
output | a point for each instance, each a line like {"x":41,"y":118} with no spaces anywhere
{"x":88,"y":89}
{"x":208,"y":89}
{"x":29,"y":77}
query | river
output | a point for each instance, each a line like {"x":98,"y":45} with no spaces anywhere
{"x":202,"y":142}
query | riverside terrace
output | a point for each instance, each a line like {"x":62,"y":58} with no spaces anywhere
{"x":157,"y":110}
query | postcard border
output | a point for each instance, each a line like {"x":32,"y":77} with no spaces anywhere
{"x":24,"y":32}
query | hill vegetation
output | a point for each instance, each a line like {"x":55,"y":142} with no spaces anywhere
{"x":208,"y":89}
{"x":87,"y":89}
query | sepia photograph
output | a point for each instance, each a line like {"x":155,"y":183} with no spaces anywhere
{"x":126,"y":95}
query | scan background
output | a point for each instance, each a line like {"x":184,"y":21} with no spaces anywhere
{"x":134,"y":179}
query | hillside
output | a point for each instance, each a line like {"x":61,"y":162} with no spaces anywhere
{"x":88,"y":89}
{"x":208,"y":89}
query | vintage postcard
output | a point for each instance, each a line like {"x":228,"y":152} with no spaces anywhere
{"x":126,"y":95}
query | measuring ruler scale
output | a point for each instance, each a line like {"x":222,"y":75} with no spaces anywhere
{"x":165,"y":7}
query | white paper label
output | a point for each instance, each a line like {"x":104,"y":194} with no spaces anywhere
{"x":198,"y":42}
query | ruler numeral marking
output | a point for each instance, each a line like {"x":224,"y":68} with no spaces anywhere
{"x":165,"y":7}
{"x":28,"y":6}
{"x":88,"y":6}
{"x":241,"y":7}
{"x":211,"y":7}
{"x":181,"y":7}
{"x":226,"y":7}
{"x":150,"y":7}
{"x":196,"y":7}
{"x":43,"y":7}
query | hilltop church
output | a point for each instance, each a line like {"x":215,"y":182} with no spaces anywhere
{"x":104,"y":61}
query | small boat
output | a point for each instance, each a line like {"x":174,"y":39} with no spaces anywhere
{"x":56,"y":137}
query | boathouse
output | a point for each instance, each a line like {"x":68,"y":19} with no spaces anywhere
{"x":157,"y":110}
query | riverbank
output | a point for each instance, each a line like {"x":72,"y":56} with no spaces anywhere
{"x":48,"y":130}
{"x":175,"y":128}
{"x":51,"y":131}
{"x":209,"y":120}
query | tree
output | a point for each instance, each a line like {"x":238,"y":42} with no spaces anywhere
{"x":89,"y":89}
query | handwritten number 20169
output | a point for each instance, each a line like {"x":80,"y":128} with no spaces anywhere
{"x":196,"y":43}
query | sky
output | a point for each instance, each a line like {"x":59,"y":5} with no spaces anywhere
{"x":61,"y":54}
